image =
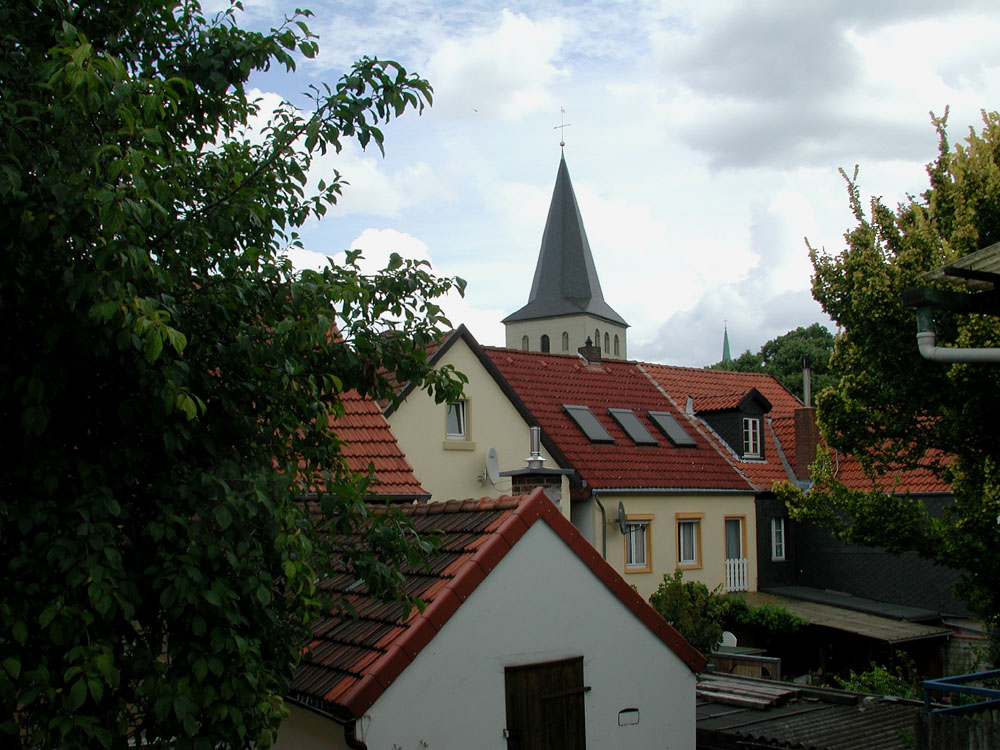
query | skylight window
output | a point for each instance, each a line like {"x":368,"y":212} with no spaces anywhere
{"x":670,"y":427}
{"x":587,"y":422}
{"x":631,"y":424}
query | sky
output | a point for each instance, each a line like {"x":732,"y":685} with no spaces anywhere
{"x":703,"y":140}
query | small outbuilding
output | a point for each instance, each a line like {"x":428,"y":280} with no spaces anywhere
{"x":528,"y":639}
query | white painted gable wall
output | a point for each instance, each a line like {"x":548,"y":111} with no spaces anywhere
{"x":540,"y":604}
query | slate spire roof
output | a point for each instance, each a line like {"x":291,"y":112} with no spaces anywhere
{"x":565,"y":280}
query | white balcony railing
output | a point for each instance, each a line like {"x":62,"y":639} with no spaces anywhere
{"x":736,"y":575}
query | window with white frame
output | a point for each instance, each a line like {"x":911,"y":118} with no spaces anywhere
{"x":456,"y":427}
{"x":637,"y":546}
{"x":688,"y":541}
{"x":777,"y":539}
{"x":751,"y":437}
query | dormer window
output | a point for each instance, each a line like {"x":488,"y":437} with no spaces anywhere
{"x":751,"y":437}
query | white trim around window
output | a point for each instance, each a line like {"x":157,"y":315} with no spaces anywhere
{"x":778,"y":539}
{"x":751,"y":437}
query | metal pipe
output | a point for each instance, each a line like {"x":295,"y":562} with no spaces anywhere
{"x":351,"y":736}
{"x":927,"y":340}
{"x":604,"y":525}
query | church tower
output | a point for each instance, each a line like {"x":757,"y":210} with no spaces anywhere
{"x":566,"y":306}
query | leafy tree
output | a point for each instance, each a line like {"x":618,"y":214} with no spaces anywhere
{"x":782,"y":357}
{"x":167,"y":381}
{"x":748,"y":361}
{"x":892,"y":408}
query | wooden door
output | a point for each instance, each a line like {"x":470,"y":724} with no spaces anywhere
{"x":545,"y":706}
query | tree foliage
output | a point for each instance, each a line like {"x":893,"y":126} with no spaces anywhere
{"x":167,"y":381}
{"x":895,"y":410}
{"x":783,"y":355}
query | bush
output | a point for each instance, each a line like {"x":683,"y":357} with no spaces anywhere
{"x":698,"y":613}
{"x":690,"y":607}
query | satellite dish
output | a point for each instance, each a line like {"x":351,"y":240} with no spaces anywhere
{"x":492,"y":466}
{"x":622,"y":523}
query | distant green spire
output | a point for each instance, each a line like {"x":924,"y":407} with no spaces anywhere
{"x":726,"y":356}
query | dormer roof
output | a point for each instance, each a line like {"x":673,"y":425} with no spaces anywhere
{"x":565,"y":280}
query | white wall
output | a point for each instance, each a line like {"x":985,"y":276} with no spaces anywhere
{"x":448,"y":470}
{"x":541,"y":603}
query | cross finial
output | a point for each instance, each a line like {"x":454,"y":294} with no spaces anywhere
{"x":562,"y":127}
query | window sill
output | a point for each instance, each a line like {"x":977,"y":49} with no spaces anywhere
{"x":689,"y":566}
{"x":458,"y":445}
{"x":638,"y":570}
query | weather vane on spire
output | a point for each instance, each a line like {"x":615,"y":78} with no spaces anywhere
{"x":562,"y":127}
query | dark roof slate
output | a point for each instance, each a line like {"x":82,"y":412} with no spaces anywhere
{"x":565,"y":281}
{"x":351,"y":661}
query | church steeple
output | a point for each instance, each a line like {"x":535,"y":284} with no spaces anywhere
{"x":566,"y":284}
{"x":726,"y":356}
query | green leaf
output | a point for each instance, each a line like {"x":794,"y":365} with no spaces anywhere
{"x":13,"y":666}
{"x":77,"y":695}
{"x":223,"y":517}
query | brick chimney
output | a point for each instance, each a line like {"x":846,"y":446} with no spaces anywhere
{"x":806,"y":440}
{"x":590,"y":352}
{"x":534,"y":474}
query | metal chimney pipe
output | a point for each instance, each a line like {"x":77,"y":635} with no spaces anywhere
{"x":534,"y":458}
{"x":806,"y":382}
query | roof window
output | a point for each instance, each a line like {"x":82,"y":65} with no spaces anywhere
{"x":587,"y":422}
{"x":672,"y":429}
{"x":631,"y":424}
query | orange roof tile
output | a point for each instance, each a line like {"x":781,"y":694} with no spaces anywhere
{"x":352,"y":660}
{"x":368,"y":442}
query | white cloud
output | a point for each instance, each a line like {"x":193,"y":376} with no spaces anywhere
{"x":506,"y":72}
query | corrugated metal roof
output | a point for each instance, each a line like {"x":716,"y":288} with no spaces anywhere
{"x":849,"y":621}
{"x":757,"y":714}
{"x":986,"y":260}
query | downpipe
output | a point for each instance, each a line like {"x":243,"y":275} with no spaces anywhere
{"x":927,"y":344}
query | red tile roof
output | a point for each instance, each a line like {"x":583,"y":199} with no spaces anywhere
{"x":916,"y":481}
{"x":714,"y":390}
{"x":352,"y":660}
{"x":368,"y":442}
{"x":681,"y":382}
{"x":545,"y":382}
